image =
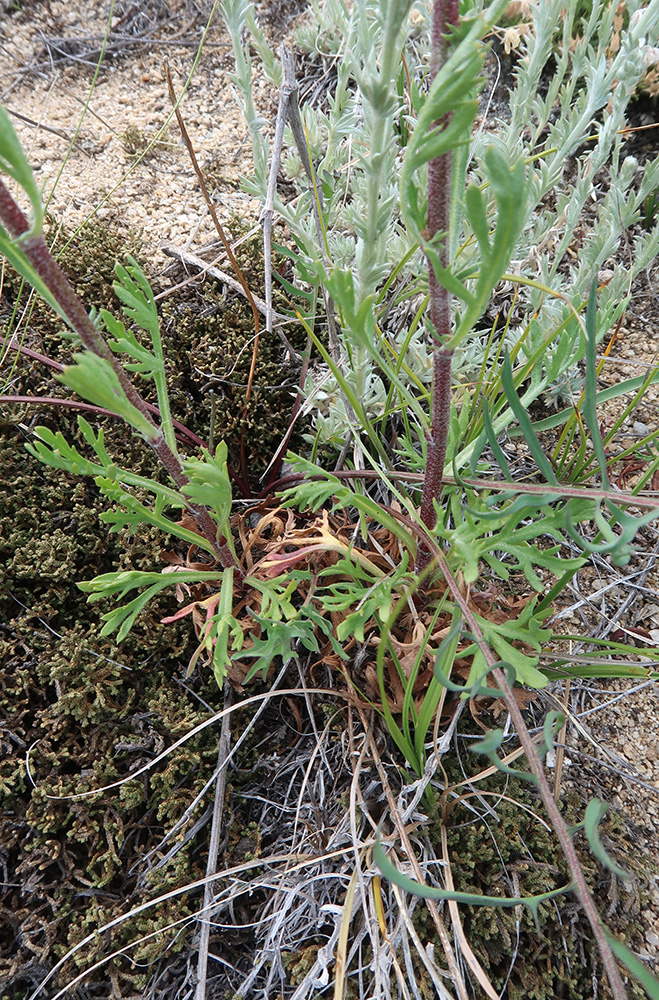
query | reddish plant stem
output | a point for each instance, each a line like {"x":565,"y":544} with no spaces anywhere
{"x":645,"y":499}
{"x":41,"y":259}
{"x":13,"y":345}
{"x":436,"y":449}
{"x":445,"y":15}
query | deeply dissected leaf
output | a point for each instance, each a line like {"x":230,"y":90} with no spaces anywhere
{"x":506,"y":638}
{"x":315,"y":489}
{"x":132,"y":512}
{"x":114,"y":482}
{"x":277,"y":642}
{"x":134,"y":291}
{"x":125,"y":342}
{"x":210,"y":485}
{"x":121,"y":583}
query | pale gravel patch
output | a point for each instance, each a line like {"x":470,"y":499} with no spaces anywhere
{"x":158,"y":198}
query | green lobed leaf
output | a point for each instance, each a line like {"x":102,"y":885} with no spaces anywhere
{"x":125,"y":342}
{"x":210,"y":485}
{"x":618,"y":545}
{"x":55,"y":451}
{"x":95,"y":380}
{"x":134,"y":291}
{"x":317,"y":487}
{"x":276,"y":596}
{"x":132,"y":512}
{"x":225,"y":635}
{"x":525,"y":630}
{"x":122,"y":582}
{"x":277,"y":642}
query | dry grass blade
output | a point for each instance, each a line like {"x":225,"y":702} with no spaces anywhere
{"x":401,"y":830}
{"x":458,"y":929}
{"x":214,"y":846}
{"x":230,"y":254}
{"x":342,"y":944}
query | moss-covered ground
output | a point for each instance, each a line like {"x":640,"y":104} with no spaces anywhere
{"x":89,"y":711}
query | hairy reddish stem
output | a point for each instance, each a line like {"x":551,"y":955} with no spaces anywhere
{"x":445,"y":15}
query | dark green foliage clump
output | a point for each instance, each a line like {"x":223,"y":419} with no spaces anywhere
{"x":94,"y":711}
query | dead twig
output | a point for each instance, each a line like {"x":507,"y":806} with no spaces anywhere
{"x":193,"y":260}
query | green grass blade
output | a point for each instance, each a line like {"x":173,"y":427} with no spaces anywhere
{"x":535,"y":447}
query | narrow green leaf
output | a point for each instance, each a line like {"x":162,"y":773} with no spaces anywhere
{"x":628,"y":385}
{"x":489,"y":746}
{"x":595,"y":810}
{"x":13,"y":161}
{"x":494,"y":444}
{"x":590,"y":391}
{"x":637,"y":968}
{"x":470,"y":899}
{"x":535,"y":447}
{"x":14,"y":254}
